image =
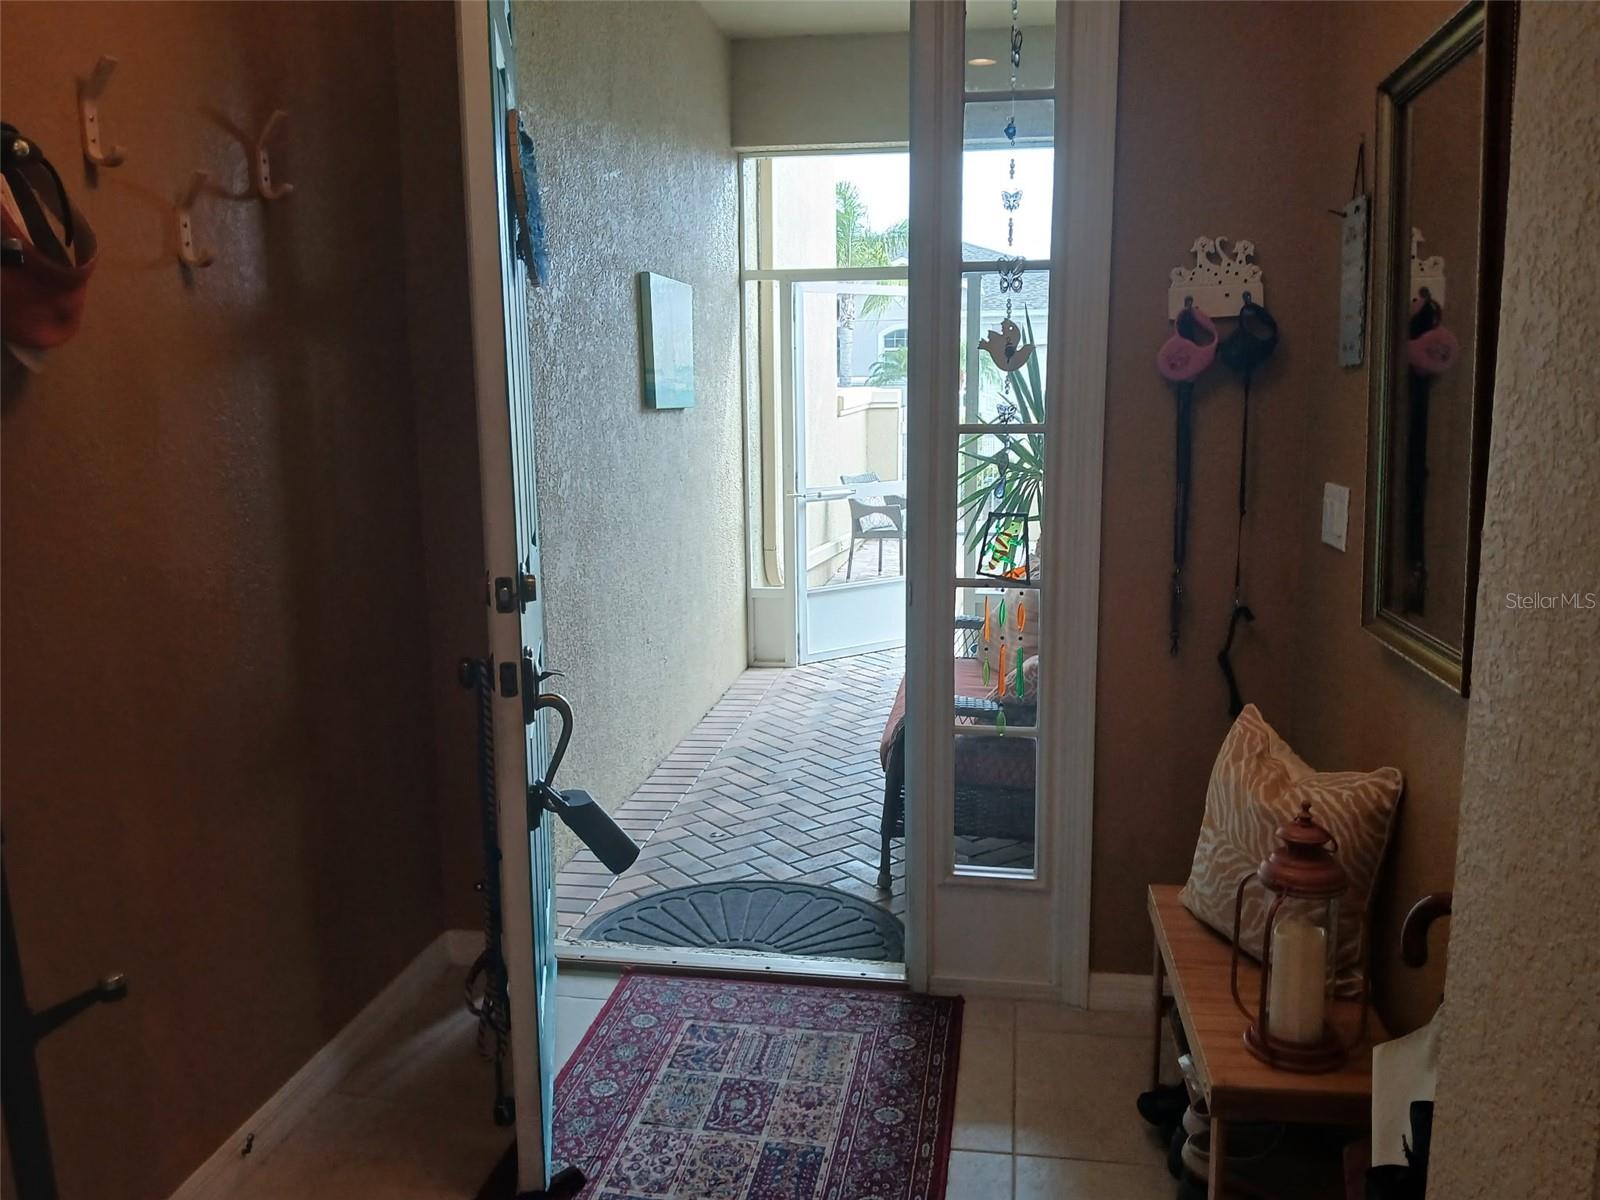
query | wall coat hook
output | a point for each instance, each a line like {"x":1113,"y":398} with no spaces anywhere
{"x":261,"y":161}
{"x":89,"y":91}
{"x":188,"y":253}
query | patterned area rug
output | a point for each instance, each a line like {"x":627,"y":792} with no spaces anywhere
{"x":725,"y":1089}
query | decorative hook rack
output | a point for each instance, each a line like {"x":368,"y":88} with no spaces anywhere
{"x":1220,"y":283}
{"x":1425,"y":272}
{"x":89,"y":91}
{"x":188,"y":253}
{"x":261,"y":161}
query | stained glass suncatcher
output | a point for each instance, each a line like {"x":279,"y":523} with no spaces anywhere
{"x":1004,"y":549}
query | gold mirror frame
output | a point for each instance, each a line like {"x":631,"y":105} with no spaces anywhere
{"x":1492,"y":26}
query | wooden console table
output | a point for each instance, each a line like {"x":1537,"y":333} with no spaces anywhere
{"x":1237,"y":1085}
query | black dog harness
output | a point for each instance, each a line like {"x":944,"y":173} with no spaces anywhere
{"x":1183,"y":359}
{"x":1245,"y":349}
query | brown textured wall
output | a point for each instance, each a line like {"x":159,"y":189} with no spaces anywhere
{"x":1519,"y":1101}
{"x":1356,"y":704}
{"x":215,"y":705}
{"x":438,"y":335}
{"x":1260,"y":153}
{"x":1193,"y":158}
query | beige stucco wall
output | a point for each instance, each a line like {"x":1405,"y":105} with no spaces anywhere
{"x":850,"y":90}
{"x":642,"y":511}
{"x":809,"y":91}
{"x":1519,"y":1096}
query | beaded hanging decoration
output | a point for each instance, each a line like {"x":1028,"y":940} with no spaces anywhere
{"x":1007,"y":535}
{"x":1004,"y":345}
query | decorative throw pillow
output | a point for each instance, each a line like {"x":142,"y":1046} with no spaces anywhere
{"x":1257,"y":785}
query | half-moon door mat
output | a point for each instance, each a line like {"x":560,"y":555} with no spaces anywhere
{"x":778,"y":918}
{"x":698,"y":1088}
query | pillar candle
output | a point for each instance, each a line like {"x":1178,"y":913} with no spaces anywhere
{"x":1296,"y":995}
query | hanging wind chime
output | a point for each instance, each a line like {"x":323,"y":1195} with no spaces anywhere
{"x":1005,"y":545}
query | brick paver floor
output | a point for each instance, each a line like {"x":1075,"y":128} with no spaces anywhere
{"x":780,"y":780}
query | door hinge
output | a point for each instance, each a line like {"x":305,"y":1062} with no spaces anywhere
{"x":508,"y":679}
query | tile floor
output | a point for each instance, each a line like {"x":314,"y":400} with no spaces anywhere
{"x":1044,"y":1108}
{"x":866,"y":564}
{"x":412,"y":1121}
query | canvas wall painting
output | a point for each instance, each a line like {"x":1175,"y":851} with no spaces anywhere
{"x":666,"y":311}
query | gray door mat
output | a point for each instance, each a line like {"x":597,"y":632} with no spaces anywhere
{"x":774,"y":918}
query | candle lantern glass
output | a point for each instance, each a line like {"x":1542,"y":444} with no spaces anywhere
{"x":1303,"y":882}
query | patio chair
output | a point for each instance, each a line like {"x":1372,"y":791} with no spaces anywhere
{"x":875,"y":522}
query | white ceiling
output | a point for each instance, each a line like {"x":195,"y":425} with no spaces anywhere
{"x":798,"y":18}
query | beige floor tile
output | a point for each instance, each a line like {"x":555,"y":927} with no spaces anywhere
{"x":357,"y":1147}
{"x":574,"y":1015}
{"x":1061,"y":1018}
{"x":1075,"y":1097}
{"x":430,"y":1062}
{"x":1066,"y":1179}
{"x":984,"y":1083}
{"x":591,"y":985}
{"x":975,"y":1176}
{"x":980,"y":1012}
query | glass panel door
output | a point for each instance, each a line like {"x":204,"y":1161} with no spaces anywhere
{"x":849,"y":406}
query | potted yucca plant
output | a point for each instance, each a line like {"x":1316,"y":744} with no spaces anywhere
{"x":1009,"y":478}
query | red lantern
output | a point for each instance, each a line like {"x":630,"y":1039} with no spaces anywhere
{"x":1299,"y":945}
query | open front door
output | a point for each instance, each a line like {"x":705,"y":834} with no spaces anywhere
{"x":499,"y":283}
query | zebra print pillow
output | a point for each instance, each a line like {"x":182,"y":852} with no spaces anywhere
{"x":1258,"y":784}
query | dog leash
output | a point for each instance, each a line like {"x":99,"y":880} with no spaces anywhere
{"x":1244,"y":350}
{"x":1181,"y":360}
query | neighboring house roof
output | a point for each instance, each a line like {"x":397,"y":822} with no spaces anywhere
{"x":1034,"y":296}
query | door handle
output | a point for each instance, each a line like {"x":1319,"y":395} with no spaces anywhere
{"x":576,"y":808}
{"x":830,"y":493}
{"x":563,"y":710}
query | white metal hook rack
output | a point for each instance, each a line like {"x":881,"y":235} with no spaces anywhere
{"x":89,"y":92}
{"x":261,"y":161}
{"x":1221,"y":282}
{"x":189,"y":253}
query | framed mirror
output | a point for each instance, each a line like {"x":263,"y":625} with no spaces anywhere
{"x":1439,"y":229}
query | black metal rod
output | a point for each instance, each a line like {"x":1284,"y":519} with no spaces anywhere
{"x":27,"y":1136}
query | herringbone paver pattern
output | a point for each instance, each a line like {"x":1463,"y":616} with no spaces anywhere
{"x":779,"y":781}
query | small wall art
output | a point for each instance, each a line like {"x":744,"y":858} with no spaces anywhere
{"x":1353,"y":282}
{"x":666,"y":338}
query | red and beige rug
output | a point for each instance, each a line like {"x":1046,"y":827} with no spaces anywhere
{"x":726,"y":1089}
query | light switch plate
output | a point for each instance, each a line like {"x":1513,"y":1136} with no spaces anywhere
{"x":1335,"y":514}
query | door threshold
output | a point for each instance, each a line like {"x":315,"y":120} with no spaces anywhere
{"x":725,"y":962}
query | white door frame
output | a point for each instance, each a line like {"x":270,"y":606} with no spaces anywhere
{"x":796,"y":419}
{"x":480,"y":126}
{"x":968,"y":932}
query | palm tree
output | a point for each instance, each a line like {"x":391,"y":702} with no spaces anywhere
{"x":891,"y":370}
{"x":859,"y":245}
